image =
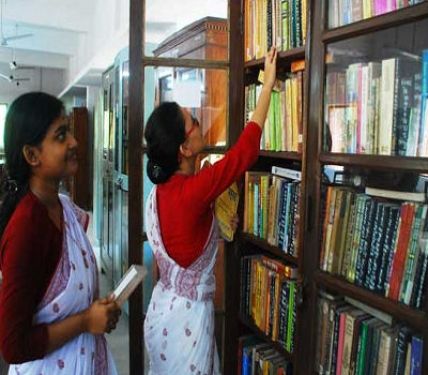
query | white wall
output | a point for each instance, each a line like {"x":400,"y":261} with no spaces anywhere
{"x":40,"y":79}
{"x":108,"y":35}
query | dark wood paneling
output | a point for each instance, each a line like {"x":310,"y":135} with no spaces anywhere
{"x":136,"y":353}
{"x":306,"y":323}
{"x":236,"y":123}
{"x":81,"y":182}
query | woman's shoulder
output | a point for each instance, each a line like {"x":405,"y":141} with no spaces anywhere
{"x":29,"y":211}
{"x":28,"y":222}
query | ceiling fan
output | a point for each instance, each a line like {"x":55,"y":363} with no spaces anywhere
{"x":4,"y":40}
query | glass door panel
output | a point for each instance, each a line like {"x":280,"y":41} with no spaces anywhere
{"x":376,"y":93}
{"x":187,"y":34}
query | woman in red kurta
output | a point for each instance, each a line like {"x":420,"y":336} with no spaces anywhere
{"x":179,"y":326}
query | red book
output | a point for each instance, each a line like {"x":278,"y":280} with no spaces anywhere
{"x":407,"y":215}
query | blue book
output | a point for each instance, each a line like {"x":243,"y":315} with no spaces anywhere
{"x":416,"y":356}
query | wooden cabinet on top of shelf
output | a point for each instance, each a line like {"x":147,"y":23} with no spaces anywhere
{"x":205,"y":39}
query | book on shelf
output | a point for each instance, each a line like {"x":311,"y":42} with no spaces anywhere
{"x":225,"y":209}
{"x":352,"y":341}
{"x":283,"y":130}
{"x":378,"y":107}
{"x":341,"y":13}
{"x":393,"y":194}
{"x":268,"y":297}
{"x":261,"y":358}
{"x":376,"y":243}
{"x":291,"y":174}
{"x":272,"y":210}
{"x":281,"y":23}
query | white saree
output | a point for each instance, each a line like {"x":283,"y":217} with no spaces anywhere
{"x":73,"y":288}
{"x":179,"y":325}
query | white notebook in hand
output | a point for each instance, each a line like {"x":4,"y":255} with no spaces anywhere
{"x":128,"y":283}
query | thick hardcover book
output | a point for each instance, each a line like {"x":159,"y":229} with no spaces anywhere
{"x":283,"y":312}
{"x":361,"y":202}
{"x":130,"y":280}
{"x":405,"y":98}
{"x":225,"y":208}
{"x":378,"y":241}
{"x":398,"y":195}
{"x":400,"y":355}
{"x":416,"y":360}
{"x":388,"y":249}
{"x":363,"y":249}
{"x":408,"y":213}
{"x":407,"y":283}
{"x":346,"y":264}
{"x":418,"y":292}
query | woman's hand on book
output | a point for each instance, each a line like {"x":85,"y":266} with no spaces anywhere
{"x":102,"y":316}
{"x":270,"y":68}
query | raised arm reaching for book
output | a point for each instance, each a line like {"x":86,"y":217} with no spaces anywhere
{"x":262,"y":107}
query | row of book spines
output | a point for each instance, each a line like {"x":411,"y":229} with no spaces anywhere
{"x":280,"y":23}
{"x":379,"y":108}
{"x":272,"y":210}
{"x":258,"y":358}
{"x":379,"y":245}
{"x":344,"y":12}
{"x":284,"y":122}
{"x":268,"y":296}
{"x":351,"y":341}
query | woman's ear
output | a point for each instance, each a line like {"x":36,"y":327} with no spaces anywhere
{"x":185,"y":150}
{"x":31,"y":155}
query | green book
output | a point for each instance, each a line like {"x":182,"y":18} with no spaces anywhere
{"x":291,"y":318}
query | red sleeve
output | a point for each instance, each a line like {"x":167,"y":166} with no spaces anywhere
{"x":211,"y":181}
{"x":21,"y":265}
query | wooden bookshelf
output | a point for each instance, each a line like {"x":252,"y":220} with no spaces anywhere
{"x":259,"y":333}
{"x":376,"y":161}
{"x":316,"y":158}
{"x":273,"y":250}
{"x":381,"y":22}
{"x":312,"y":160}
{"x":284,"y":58}
{"x":248,"y":243}
{"x":416,"y":319}
{"x":287,"y":155}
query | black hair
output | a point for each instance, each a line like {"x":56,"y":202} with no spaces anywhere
{"x":164,"y":134}
{"x":27,"y":122}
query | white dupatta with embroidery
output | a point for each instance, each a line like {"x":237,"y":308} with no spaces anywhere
{"x":179,"y":325}
{"x":73,"y":288}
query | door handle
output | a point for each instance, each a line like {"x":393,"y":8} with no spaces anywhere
{"x":119,"y":182}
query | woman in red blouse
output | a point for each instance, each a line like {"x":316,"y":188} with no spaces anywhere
{"x":50,"y":318}
{"x":179,"y":325}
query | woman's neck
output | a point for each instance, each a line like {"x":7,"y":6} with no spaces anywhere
{"x":45,"y":191}
{"x":187,"y":166}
